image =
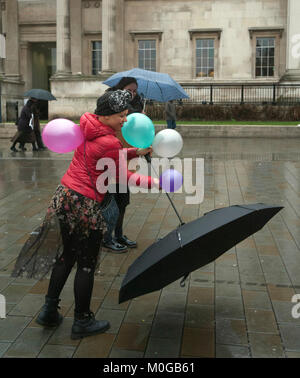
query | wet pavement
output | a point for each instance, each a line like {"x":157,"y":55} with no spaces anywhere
{"x":238,"y":306}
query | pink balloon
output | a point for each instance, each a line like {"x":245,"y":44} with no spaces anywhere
{"x":62,"y":135}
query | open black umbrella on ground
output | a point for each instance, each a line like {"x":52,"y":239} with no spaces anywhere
{"x":193,"y":245}
{"x":40,"y":94}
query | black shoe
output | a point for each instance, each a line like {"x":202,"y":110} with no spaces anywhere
{"x":115,"y":246}
{"x":14,"y":149}
{"x":23,"y":148}
{"x":34,"y":149}
{"x":49,"y":316}
{"x":86,"y":325}
{"x":124,"y":240}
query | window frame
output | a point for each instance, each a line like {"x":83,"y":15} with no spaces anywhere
{"x":88,"y":38}
{"x":202,"y":48}
{"x":275,"y":33}
{"x":137,"y":36}
{"x":214,"y":34}
{"x":155,"y":48}
{"x":91,"y":56}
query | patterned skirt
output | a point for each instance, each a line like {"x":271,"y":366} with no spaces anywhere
{"x":67,"y":210}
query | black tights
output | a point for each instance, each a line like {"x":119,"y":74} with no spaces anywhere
{"x":85,"y":253}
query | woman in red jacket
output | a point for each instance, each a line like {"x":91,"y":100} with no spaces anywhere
{"x":78,"y":208}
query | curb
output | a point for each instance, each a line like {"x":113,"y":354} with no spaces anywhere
{"x":206,"y":131}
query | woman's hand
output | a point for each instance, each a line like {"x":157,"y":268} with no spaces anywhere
{"x":144,"y":151}
{"x":156,"y":183}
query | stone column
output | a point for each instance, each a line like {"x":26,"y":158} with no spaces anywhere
{"x":63,"y":44}
{"x":12,"y":61}
{"x":109,"y":35}
{"x":76,"y":36}
{"x":26,"y":64}
{"x":1,"y":32}
{"x":293,"y":42}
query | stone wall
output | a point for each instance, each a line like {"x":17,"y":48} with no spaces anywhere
{"x":174,"y":18}
{"x":74,"y":97}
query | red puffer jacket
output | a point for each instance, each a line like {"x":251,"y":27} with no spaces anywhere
{"x":100,"y":142}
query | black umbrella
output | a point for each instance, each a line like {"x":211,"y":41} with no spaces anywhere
{"x":193,"y":245}
{"x":40,"y":94}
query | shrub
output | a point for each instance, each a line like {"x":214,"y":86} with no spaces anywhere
{"x":246,"y":112}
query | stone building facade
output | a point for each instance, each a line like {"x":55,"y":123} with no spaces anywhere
{"x":71,"y":46}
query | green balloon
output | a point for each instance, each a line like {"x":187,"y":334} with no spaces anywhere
{"x":139,"y":130}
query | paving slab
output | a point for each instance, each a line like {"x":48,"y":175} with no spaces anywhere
{"x":239,"y":306}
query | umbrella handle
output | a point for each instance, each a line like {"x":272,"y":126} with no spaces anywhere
{"x":148,"y":157}
{"x":182,"y":282}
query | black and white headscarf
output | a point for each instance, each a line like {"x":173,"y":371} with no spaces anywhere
{"x":113,"y":102}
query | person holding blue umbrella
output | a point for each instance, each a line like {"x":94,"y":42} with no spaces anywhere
{"x":155,"y":86}
{"x":120,"y":242}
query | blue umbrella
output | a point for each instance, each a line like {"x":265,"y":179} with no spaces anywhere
{"x":151,"y":85}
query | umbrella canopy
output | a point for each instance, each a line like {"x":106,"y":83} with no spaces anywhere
{"x":193,"y":245}
{"x":40,"y":94}
{"x":151,"y":85}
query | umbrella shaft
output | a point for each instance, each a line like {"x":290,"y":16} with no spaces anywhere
{"x":148,"y":158}
{"x":180,"y":220}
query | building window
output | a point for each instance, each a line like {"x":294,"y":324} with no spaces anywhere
{"x":205,"y":51}
{"x":265,"y":57}
{"x":267,"y":52}
{"x":205,"y":45}
{"x":147,"y":54}
{"x":96,"y":57}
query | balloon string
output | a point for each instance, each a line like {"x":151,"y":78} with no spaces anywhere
{"x":148,"y":158}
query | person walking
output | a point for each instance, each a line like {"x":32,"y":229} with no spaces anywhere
{"x":170,"y":110}
{"x":25,"y":133}
{"x":37,"y":127}
{"x":121,"y":242}
{"x":74,"y":223}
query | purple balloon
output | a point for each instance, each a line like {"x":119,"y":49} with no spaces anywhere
{"x":171,"y":180}
{"x":62,"y":135}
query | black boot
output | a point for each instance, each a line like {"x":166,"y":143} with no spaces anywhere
{"x":124,"y":240}
{"x":115,"y":246}
{"x":49,"y":316}
{"x":85,"y":324}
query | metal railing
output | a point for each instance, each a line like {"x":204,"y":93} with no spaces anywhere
{"x":223,"y":94}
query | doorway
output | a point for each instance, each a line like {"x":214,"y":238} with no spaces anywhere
{"x":43,"y":67}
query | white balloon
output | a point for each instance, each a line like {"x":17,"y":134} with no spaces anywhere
{"x":167,"y":143}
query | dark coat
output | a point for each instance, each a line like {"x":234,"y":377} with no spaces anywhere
{"x":136,"y":105}
{"x":26,"y":113}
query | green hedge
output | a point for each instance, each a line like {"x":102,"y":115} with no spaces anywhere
{"x":244,"y":112}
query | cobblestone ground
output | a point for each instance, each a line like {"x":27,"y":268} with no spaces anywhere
{"x":238,"y":306}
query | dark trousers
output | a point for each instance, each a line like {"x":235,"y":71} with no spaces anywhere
{"x":85,"y":253}
{"x":171,"y":123}
{"x":121,"y":200}
{"x":38,"y":137}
